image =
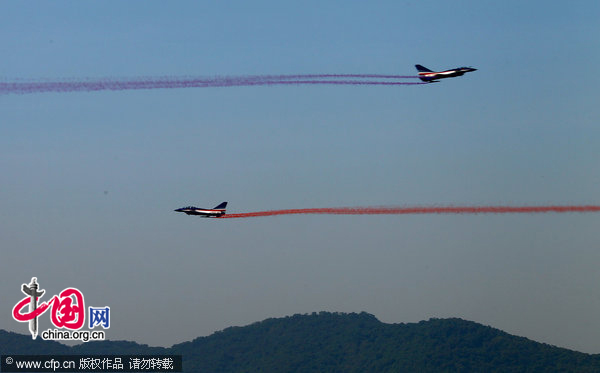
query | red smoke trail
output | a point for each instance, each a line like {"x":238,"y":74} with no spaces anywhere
{"x":88,"y":85}
{"x":421,"y":210}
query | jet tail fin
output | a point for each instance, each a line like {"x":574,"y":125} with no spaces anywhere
{"x":423,"y":69}
{"x":221,"y":206}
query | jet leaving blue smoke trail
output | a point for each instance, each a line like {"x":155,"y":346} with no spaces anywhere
{"x":88,"y":85}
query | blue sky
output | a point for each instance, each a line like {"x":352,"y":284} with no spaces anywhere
{"x":90,"y":180}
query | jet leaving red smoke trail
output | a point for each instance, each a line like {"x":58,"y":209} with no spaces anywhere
{"x":90,"y":85}
{"x":421,"y":210}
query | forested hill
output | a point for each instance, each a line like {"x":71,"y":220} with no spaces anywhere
{"x":336,"y":342}
{"x":360,"y":343}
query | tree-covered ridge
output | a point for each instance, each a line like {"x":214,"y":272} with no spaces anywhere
{"x":20,"y":344}
{"x":338,"y":342}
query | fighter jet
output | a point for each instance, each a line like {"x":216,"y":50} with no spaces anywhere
{"x":429,"y":76}
{"x":216,"y":212}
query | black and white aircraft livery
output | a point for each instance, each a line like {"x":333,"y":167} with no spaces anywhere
{"x":215,"y":212}
{"x":429,"y":76}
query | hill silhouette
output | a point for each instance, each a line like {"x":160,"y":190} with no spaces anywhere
{"x":338,"y":342}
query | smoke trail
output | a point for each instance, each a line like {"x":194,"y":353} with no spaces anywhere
{"x":421,"y":210}
{"x":329,"y":82}
{"x":325,"y":76}
{"x":88,"y":85}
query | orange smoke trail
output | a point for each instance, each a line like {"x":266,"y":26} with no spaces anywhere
{"x":420,"y":210}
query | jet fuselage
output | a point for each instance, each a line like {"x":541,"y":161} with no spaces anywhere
{"x":427,"y":75}
{"x":205,"y":213}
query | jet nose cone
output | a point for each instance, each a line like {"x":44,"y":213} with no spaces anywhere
{"x":178,"y":210}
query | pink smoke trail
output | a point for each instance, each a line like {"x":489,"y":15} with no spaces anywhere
{"x":421,"y":210}
{"x":25,"y":87}
{"x":324,"y":76}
